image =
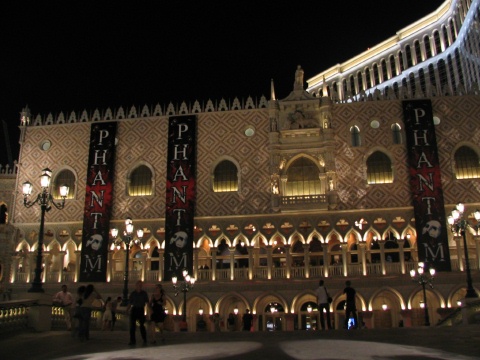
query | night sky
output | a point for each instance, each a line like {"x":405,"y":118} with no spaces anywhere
{"x":74,"y":56}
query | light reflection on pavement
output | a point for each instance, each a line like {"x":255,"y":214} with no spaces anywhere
{"x":300,"y":350}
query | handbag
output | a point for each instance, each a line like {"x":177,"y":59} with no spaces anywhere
{"x":329,"y":298}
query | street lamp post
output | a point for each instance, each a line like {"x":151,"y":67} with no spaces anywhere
{"x":459,"y":225}
{"x":126,"y":239}
{"x":45,"y":200}
{"x":185,"y":286}
{"x":424,"y":278}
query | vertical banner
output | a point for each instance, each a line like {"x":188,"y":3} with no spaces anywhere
{"x":180,"y":196}
{"x":98,"y":202}
{"x":426,"y":185}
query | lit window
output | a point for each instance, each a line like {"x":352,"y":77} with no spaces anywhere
{"x":397,"y":134}
{"x":467,"y":164}
{"x":141,"y":182}
{"x":303,"y":178}
{"x":225,"y":177}
{"x":379,"y":168}
{"x":64,"y":177}
{"x":355,"y":132}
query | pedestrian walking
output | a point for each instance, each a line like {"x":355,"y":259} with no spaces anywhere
{"x":64,"y":299}
{"x":323,"y":301}
{"x":158,"y":314}
{"x":115,"y":304}
{"x":247,"y":320}
{"x":136,"y":307}
{"x":350,"y":308}
{"x":89,"y":297}
{"x":107,"y":314}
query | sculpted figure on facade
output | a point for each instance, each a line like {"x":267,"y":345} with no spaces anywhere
{"x":298,"y":84}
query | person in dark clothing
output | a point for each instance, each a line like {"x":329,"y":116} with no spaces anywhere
{"x":247,"y":320}
{"x":136,"y":307}
{"x":323,"y":304}
{"x":350,"y":308}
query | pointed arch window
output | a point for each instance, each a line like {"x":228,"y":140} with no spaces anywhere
{"x":64,"y":177}
{"x":225,"y":177}
{"x":355,"y":136}
{"x":397,"y":134}
{"x":303,"y":178}
{"x":141,"y":182}
{"x":379,"y":168}
{"x":467,"y":164}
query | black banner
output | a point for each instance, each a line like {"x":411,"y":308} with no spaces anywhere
{"x":180,"y":196}
{"x":98,"y":202}
{"x":426,"y":185}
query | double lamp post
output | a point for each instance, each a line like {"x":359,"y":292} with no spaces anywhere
{"x":184,"y":286}
{"x":127,"y":240}
{"x":459,"y":225}
{"x":45,"y":200}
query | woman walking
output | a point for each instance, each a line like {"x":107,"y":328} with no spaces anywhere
{"x":158,"y":315}
{"x":89,"y":297}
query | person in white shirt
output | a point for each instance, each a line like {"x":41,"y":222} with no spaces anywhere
{"x":65,"y":299}
{"x":323,"y":303}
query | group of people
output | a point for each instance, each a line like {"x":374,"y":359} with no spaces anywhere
{"x":324,"y":300}
{"x":78,"y":311}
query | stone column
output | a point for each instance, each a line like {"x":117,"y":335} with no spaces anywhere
{"x":144,"y":264}
{"x":78,"y":259}
{"x":288,"y":260}
{"x":325,"y":259}
{"x":213,"y":251}
{"x":250,"y":262}
{"x":381,"y":243}
{"x":290,"y":322}
{"x":344,"y":259}
{"x":363,"y":256}
{"x":401,"y":254}
{"x":161,"y":253}
{"x":109,"y":266}
{"x":306,"y":260}
{"x":269,"y":261}
{"x":232,"y":263}
{"x":62,"y":260}
{"x":195,"y":262}
{"x":13,"y":274}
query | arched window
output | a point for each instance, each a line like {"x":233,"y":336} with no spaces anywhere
{"x":418,"y":52}
{"x":368,"y":78}
{"x":400,"y":61}
{"x":467,"y":164}
{"x":379,"y":168}
{"x":393,"y":67}
{"x":355,"y":136}
{"x":376,"y":75}
{"x":437,"y":42}
{"x":3,"y":214}
{"x":428,"y":47}
{"x":303,"y":178}
{"x":408,"y":55}
{"x":360,"y":82}
{"x":445,"y":37}
{"x":352,"y":85}
{"x":141,"y":182}
{"x":64,"y":177}
{"x":383,"y":64}
{"x":225,"y":177}
{"x":397,"y":134}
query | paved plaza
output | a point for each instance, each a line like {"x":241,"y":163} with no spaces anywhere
{"x":460,"y":342}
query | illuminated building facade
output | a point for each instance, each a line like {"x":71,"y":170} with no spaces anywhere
{"x":313,"y":185}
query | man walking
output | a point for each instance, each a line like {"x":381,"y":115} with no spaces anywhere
{"x":136,"y":306}
{"x":65,"y":299}
{"x":247,"y":320}
{"x":350,"y":308}
{"x":322,"y":301}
